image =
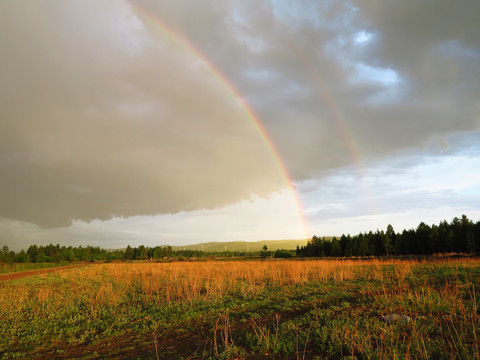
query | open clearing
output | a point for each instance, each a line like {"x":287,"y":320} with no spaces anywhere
{"x":245,"y":310}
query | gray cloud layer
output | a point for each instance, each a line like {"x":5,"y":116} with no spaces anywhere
{"x":115,"y":124}
{"x":103,"y":114}
{"x":317,"y":88}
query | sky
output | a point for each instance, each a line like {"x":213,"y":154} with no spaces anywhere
{"x":177,"y":122}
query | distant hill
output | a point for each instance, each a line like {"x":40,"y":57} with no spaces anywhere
{"x":243,"y":245}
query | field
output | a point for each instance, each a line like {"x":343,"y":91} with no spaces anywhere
{"x":335,"y":309}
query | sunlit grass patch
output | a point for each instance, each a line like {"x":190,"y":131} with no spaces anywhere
{"x":279,"y":309}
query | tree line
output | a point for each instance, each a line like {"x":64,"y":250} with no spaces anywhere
{"x":461,"y":235}
{"x":57,"y":254}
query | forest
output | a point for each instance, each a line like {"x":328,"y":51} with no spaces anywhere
{"x":461,"y":235}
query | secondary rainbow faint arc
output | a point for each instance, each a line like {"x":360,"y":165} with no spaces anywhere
{"x":183,"y":42}
{"x":336,"y":113}
{"x":345,"y":133}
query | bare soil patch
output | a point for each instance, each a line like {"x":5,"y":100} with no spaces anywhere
{"x":22,"y":274}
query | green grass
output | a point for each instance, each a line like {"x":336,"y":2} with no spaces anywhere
{"x":312,"y":320}
{"x":6,"y":268}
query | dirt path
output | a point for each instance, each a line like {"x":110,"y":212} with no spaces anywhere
{"x":21,"y":274}
{"x":185,"y":341}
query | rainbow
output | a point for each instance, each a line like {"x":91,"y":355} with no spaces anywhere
{"x":337,"y":115}
{"x":178,"y":38}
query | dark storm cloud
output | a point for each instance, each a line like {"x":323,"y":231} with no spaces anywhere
{"x":103,"y":114}
{"x":99,"y":119}
{"x":394,"y":74}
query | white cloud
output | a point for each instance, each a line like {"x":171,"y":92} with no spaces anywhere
{"x":401,"y":190}
{"x":362,"y":38}
{"x":387,"y":77}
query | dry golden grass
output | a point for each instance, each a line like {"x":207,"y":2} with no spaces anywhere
{"x":190,"y":281}
{"x":92,"y":299}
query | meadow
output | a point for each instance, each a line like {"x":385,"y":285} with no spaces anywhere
{"x":20,"y":267}
{"x":276,"y":309}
